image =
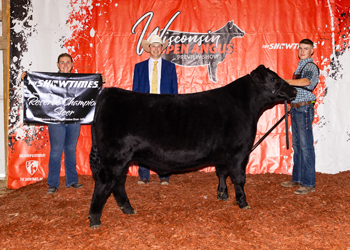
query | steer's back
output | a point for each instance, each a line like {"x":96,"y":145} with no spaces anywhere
{"x":184,"y":130}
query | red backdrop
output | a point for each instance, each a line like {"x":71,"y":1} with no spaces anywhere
{"x":105,"y":38}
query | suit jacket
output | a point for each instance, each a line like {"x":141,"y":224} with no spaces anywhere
{"x":168,"y":80}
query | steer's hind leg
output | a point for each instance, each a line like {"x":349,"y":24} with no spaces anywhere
{"x":222,"y":174}
{"x":120,"y":194}
{"x":101,"y":193}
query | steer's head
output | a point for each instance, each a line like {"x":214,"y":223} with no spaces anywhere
{"x":273,"y":84}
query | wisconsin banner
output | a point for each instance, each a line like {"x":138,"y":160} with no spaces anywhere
{"x":60,"y":98}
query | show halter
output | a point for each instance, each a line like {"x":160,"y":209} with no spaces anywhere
{"x":286,"y":112}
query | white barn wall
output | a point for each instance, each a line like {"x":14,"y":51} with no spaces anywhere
{"x":332,"y":133}
{"x":2,"y":122}
{"x":46,"y":45}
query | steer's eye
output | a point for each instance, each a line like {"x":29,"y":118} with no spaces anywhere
{"x":273,"y":79}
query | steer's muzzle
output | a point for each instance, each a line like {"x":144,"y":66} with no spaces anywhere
{"x":288,"y":92}
{"x":294,"y":94}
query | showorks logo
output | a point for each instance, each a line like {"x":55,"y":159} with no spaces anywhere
{"x":198,"y":49}
{"x":32,"y":166}
{"x":281,"y":46}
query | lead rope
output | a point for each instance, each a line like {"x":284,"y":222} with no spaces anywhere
{"x":285,"y":114}
{"x":274,"y":126}
{"x":286,"y":117}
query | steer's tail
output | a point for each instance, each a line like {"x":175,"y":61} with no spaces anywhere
{"x":94,"y":155}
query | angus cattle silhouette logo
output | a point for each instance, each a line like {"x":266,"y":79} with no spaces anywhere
{"x":198,"y":49}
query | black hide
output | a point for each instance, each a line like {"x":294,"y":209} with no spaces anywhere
{"x":172,"y":133}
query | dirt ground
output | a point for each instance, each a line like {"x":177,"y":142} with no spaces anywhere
{"x":183,"y":215}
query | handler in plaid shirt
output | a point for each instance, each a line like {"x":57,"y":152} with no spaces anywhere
{"x":305,"y":78}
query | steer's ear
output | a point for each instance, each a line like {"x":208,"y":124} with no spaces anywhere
{"x":259,"y":73}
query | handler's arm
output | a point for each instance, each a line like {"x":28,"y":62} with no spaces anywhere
{"x":298,"y":82}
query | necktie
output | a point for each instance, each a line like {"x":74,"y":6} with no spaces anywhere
{"x":154,"y":87}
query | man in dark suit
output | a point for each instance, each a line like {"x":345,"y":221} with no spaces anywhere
{"x":155,"y":76}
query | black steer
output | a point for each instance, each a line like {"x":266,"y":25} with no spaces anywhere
{"x":173,"y":133}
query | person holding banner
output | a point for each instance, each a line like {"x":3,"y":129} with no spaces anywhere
{"x":155,"y":76}
{"x":63,"y":137}
{"x":305,"y":78}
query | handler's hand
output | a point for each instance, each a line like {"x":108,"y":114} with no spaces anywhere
{"x":103,"y":79}
{"x":23,"y":75}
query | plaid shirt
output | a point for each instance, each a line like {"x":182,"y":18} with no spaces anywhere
{"x":310,"y":72}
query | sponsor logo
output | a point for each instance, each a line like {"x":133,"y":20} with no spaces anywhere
{"x":31,"y":155}
{"x":69,"y":101}
{"x":283,"y":46}
{"x":31,"y":179}
{"x":199,"y":49}
{"x":190,"y":49}
{"x":64,"y":84}
{"x":32,"y":166}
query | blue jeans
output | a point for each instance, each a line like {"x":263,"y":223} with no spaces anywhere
{"x":304,"y":171}
{"x":63,"y":137}
{"x":144,"y":174}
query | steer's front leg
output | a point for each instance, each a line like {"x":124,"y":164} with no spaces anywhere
{"x":238,"y":176}
{"x":240,"y":196}
{"x":239,"y":182}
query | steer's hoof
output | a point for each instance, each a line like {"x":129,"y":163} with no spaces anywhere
{"x":95,"y":221}
{"x":128,"y":210}
{"x":95,"y":226}
{"x":223,"y":196}
{"x":246,"y":208}
{"x":133,"y":212}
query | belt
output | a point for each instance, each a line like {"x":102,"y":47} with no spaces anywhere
{"x":299,"y":104}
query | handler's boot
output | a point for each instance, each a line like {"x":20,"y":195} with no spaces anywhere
{"x":51,"y":190}
{"x":304,"y":190}
{"x":143,"y":181}
{"x":77,"y":185}
{"x":290,"y":184}
{"x":164,"y":182}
